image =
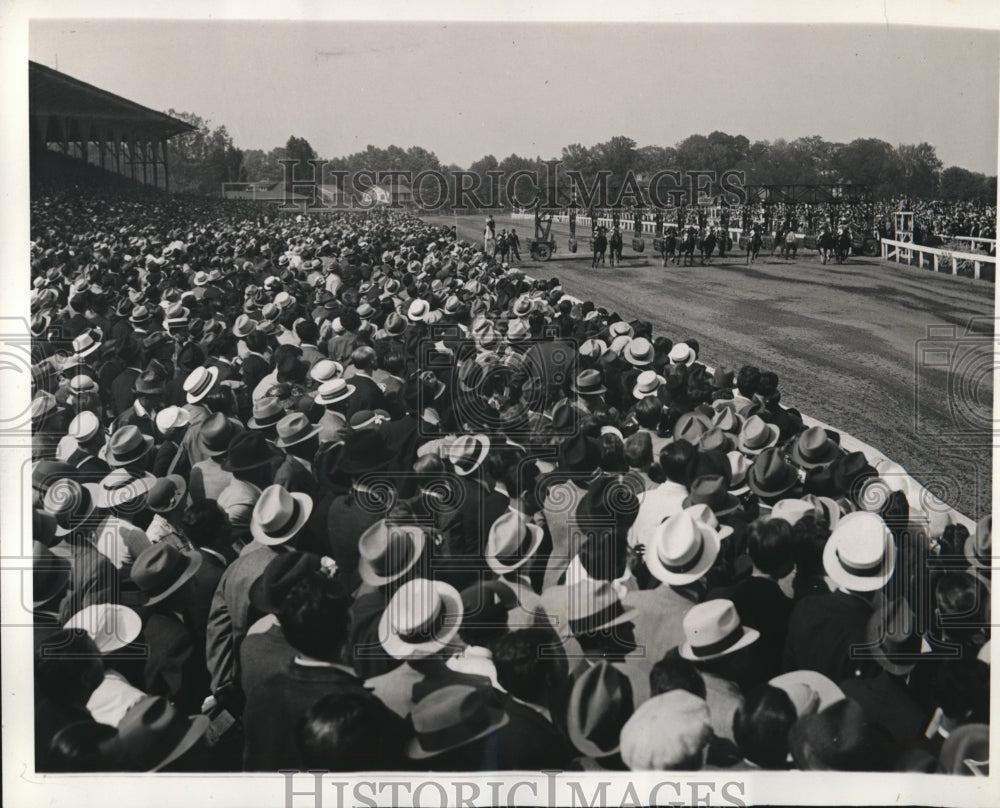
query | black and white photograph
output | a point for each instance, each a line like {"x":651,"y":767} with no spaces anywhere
{"x":524,"y":404}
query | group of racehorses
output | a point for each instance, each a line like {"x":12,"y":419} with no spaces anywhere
{"x":680,"y":249}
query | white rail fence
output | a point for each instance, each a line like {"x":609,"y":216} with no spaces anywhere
{"x":905,"y":252}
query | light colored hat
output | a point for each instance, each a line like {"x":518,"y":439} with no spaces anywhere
{"x":333,"y":391}
{"x":83,"y":384}
{"x":84,"y":426}
{"x":646,"y":384}
{"x":422,"y":619}
{"x":512,"y":541}
{"x":325,"y":370}
{"x":712,"y":629}
{"x":418,"y":310}
{"x":739,"y":466}
{"x":279,"y":515}
{"x":860,"y":554}
{"x":120,"y":487}
{"x":244,"y":326}
{"x":295,"y":428}
{"x":283,"y":300}
{"x":620,"y":329}
{"x":639,"y":352}
{"x":468,"y":453}
{"x":172,"y":418}
{"x":86,"y":343}
{"x":109,"y":625}
{"x":593,"y":348}
{"x":619,"y":344}
{"x":666,"y":732}
{"x":809,"y":691}
{"x":756,"y":436}
{"x":127,"y":445}
{"x":199,"y":383}
{"x":682,"y":354}
{"x":387,"y":552}
{"x":682,"y":550}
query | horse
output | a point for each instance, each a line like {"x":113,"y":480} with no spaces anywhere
{"x":687,"y":248}
{"x":826,"y":244}
{"x":670,"y":247}
{"x":600,"y":242}
{"x":843,"y":246}
{"x":707,"y":247}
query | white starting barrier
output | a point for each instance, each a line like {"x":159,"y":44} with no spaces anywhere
{"x":906,"y":252}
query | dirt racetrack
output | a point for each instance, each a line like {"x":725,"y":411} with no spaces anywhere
{"x":899,"y":357}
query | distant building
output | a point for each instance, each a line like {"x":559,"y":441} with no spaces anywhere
{"x":272,"y":191}
{"x":386,"y":193}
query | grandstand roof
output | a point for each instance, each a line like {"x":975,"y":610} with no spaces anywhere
{"x":53,"y":93}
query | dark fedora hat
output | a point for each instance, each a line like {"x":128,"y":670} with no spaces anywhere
{"x":452,"y":717}
{"x":713,"y":491}
{"x":849,"y":474}
{"x":162,"y":569}
{"x":215,"y":435}
{"x":148,"y":383}
{"x":770,"y":475}
{"x":600,"y":704}
{"x":840,"y":738}
{"x":283,"y":572}
{"x":814,"y":448}
{"x":154,"y":733}
{"x":365,"y":451}
{"x":249,"y":450}
{"x":579,"y":453}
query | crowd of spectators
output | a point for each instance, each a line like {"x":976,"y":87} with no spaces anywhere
{"x":341,"y":492}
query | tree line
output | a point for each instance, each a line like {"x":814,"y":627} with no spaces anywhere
{"x":203,"y":160}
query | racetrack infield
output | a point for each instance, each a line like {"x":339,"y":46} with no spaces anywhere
{"x":850,"y":343}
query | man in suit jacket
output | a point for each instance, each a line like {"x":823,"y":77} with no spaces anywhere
{"x":314,"y":620}
{"x":367,"y":394}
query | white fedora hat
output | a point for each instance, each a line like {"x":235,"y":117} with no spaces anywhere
{"x":110,"y":625}
{"x":860,"y":554}
{"x":422,"y":619}
{"x":512,"y":541}
{"x":713,"y":629}
{"x":681,"y":550}
{"x":279,"y":515}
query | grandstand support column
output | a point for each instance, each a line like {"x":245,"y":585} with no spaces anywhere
{"x":143,"y":144}
{"x":166,"y":172}
{"x":156,"y":164}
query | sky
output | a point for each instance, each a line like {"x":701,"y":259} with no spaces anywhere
{"x":469,"y":89}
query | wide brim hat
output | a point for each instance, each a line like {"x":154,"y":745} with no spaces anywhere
{"x":380,"y":534}
{"x":877,"y":576}
{"x":753,"y":451}
{"x":828,"y":452}
{"x":531,"y":540}
{"x":130,"y":490}
{"x":110,"y":625}
{"x":446,"y":627}
{"x":305,"y":503}
{"x":789,"y":477}
{"x":91,"y":492}
{"x":465,"y":729}
{"x":115,"y":462}
{"x":121,"y":748}
{"x":711,"y":544}
{"x":366,"y":451}
{"x":737,"y":639}
{"x":342,"y":395}
{"x":809,"y":691}
{"x":466,"y":462}
{"x":192,"y":565}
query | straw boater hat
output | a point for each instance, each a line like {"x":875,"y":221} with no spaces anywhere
{"x":421,"y":620}
{"x":712,"y":629}
{"x":199,"y":383}
{"x":682,"y":354}
{"x":333,"y":391}
{"x":860,"y":554}
{"x":646,"y":384}
{"x":279,"y":515}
